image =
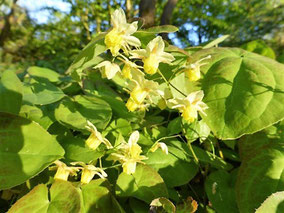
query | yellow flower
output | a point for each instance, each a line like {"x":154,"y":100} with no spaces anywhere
{"x":130,"y":70}
{"x":141,"y":89}
{"x":96,"y":138}
{"x":120,"y":35}
{"x":161,"y":145}
{"x":190,"y":105}
{"x":89,"y":171}
{"x":131,"y":105}
{"x":192,"y":71}
{"x":63,"y":171}
{"x":129,"y":154}
{"x":108,"y":69}
{"x":153,"y":55}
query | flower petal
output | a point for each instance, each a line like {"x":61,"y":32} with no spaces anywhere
{"x":118,"y":18}
{"x":134,"y":137}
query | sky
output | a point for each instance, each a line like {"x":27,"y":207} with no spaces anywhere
{"x":41,"y":16}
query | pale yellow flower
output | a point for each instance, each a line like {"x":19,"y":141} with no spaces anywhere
{"x":63,"y":171}
{"x":89,"y":171}
{"x":153,"y":55}
{"x":129,"y":154}
{"x":141,"y":89}
{"x":96,"y":138}
{"x":120,"y":35}
{"x":160,"y":145}
{"x":130,"y":70}
{"x":108,"y":69}
{"x":192,"y":71}
{"x":190,"y":105}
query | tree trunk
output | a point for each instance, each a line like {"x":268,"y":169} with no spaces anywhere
{"x":167,"y":14}
{"x":147,"y":11}
{"x":6,"y":31}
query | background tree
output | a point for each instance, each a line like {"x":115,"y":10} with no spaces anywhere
{"x":55,"y":43}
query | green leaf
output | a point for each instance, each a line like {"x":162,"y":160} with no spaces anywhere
{"x":121,"y":126}
{"x":243,"y":90}
{"x":76,"y":150}
{"x":10,"y":93}
{"x":176,"y":162}
{"x":259,"y":46}
{"x":219,"y":187}
{"x":274,"y":203}
{"x":202,"y":155}
{"x":39,"y":114}
{"x":74,"y":114}
{"x":215,"y":42}
{"x":88,"y":57}
{"x":174,"y":126}
{"x":162,"y":29}
{"x":62,"y":197}
{"x":119,"y":108}
{"x":68,"y":115}
{"x":261,"y":171}
{"x":138,"y":206}
{"x":25,"y":150}
{"x":182,"y":83}
{"x":145,"y":184}
{"x":44,"y":73}
{"x":197,"y":129}
{"x":98,"y":198}
{"x":41,"y":92}
{"x":94,"y":109}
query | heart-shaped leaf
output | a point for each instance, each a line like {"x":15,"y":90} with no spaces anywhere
{"x":75,"y":113}
{"x":145,"y":184}
{"x":177,"y":161}
{"x":41,"y":92}
{"x":61,"y":197}
{"x":25,"y":150}
{"x":98,"y":199}
{"x":261,"y":172}
{"x":244,"y":91}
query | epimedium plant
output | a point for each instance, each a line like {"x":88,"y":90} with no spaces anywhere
{"x":139,"y":125}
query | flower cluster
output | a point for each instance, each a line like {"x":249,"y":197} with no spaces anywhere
{"x":141,"y":89}
{"x":127,"y":58}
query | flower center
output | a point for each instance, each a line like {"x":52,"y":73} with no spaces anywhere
{"x":113,"y":41}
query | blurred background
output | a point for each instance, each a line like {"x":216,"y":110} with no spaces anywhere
{"x":50,"y":33}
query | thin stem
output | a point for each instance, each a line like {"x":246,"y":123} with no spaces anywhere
{"x":170,"y":84}
{"x":173,"y":136}
{"x":110,"y":167}
{"x":220,"y":151}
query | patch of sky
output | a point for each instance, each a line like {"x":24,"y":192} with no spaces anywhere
{"x":37,"y":11}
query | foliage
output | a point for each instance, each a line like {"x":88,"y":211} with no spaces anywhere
{"x":136,"y":124}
